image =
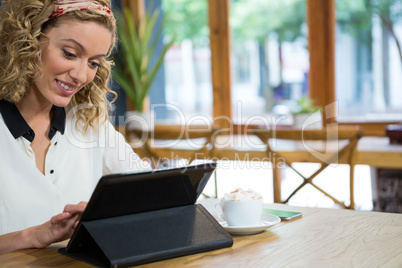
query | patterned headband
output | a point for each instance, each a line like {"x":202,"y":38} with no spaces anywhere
{"x":63,"y":6}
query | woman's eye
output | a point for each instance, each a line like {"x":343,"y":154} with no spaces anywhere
{"x":68,"y":55}
{"x":94,"y":65}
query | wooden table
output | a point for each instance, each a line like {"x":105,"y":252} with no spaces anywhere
{"x":372,"y":151}
{"x":377,"y":152}
{"x":321,"y":238}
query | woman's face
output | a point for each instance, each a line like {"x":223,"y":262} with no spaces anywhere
{"x":71,"y":54}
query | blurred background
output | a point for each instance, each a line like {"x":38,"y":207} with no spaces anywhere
{"x":270,"y":70}
{"x":269,"y":59}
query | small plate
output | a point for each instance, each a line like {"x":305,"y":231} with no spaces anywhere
{"x":267,"y":221}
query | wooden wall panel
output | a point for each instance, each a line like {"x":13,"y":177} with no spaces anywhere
{"x":321,"y":22}
{"x":137,"y":8}
{"x":220,"y":60}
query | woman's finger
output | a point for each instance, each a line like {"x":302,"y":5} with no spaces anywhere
{"x":75,"y":225}
{"x":79,"y":208}
{"x":60,"y":217}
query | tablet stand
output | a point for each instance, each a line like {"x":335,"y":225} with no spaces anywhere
{"x":147,"y":237}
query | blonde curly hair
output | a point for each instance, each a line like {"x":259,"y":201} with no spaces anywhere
{"x":22,"y":23}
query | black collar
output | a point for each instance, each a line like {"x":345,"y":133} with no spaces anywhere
{"x":19,"y":127}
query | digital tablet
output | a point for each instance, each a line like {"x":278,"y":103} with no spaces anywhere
{"x":136,"y":218}
{"x":130,"y":193}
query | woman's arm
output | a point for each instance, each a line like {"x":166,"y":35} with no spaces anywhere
{"x":59,"y":228}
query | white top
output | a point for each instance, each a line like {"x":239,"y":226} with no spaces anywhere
{"x":74,"y":164}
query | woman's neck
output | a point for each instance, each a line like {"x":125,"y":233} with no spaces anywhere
{"x":33,"y":108}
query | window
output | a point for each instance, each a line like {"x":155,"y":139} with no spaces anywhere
{"x":369,"y":59}
{"x":186,"y":85}
{"x":367,"y":62}
{"x":269,"y":57}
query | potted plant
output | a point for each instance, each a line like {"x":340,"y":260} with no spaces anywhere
{"x":138,"y":61}
{"x":307,"y":115}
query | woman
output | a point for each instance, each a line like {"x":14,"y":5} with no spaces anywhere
{"x":56,"y":141}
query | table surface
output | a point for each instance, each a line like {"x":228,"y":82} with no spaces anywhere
{"x":372,"y":151}
{"x":321,"y":238}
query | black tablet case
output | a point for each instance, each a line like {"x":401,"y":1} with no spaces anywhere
{"x":134,"y":219}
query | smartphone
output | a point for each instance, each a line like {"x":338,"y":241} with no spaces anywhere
{"x":284,"y":215}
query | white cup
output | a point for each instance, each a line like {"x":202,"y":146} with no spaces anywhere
{"x":240,"y":213}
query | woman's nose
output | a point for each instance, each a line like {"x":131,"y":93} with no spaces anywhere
{"x":79,"y":73}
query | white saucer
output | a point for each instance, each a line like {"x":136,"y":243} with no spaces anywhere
{"x":267,"y":221}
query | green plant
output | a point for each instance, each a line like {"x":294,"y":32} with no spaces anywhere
{"x":306,"y":106}
{"x":135,"y":68}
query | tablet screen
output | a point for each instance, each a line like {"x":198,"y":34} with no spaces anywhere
{"x":129,"y":193}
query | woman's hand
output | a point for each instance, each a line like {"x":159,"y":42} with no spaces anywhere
{"x":59,"y":228}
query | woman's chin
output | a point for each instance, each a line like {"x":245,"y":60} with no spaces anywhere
{"x":61,"y":102}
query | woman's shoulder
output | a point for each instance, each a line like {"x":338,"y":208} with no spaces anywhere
{"x":100,"y":131}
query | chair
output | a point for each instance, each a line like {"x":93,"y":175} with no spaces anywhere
{"x":165,"y":145}
{"x":325,"y":146}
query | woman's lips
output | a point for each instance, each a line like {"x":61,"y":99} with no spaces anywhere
{"x":65,"y":88}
